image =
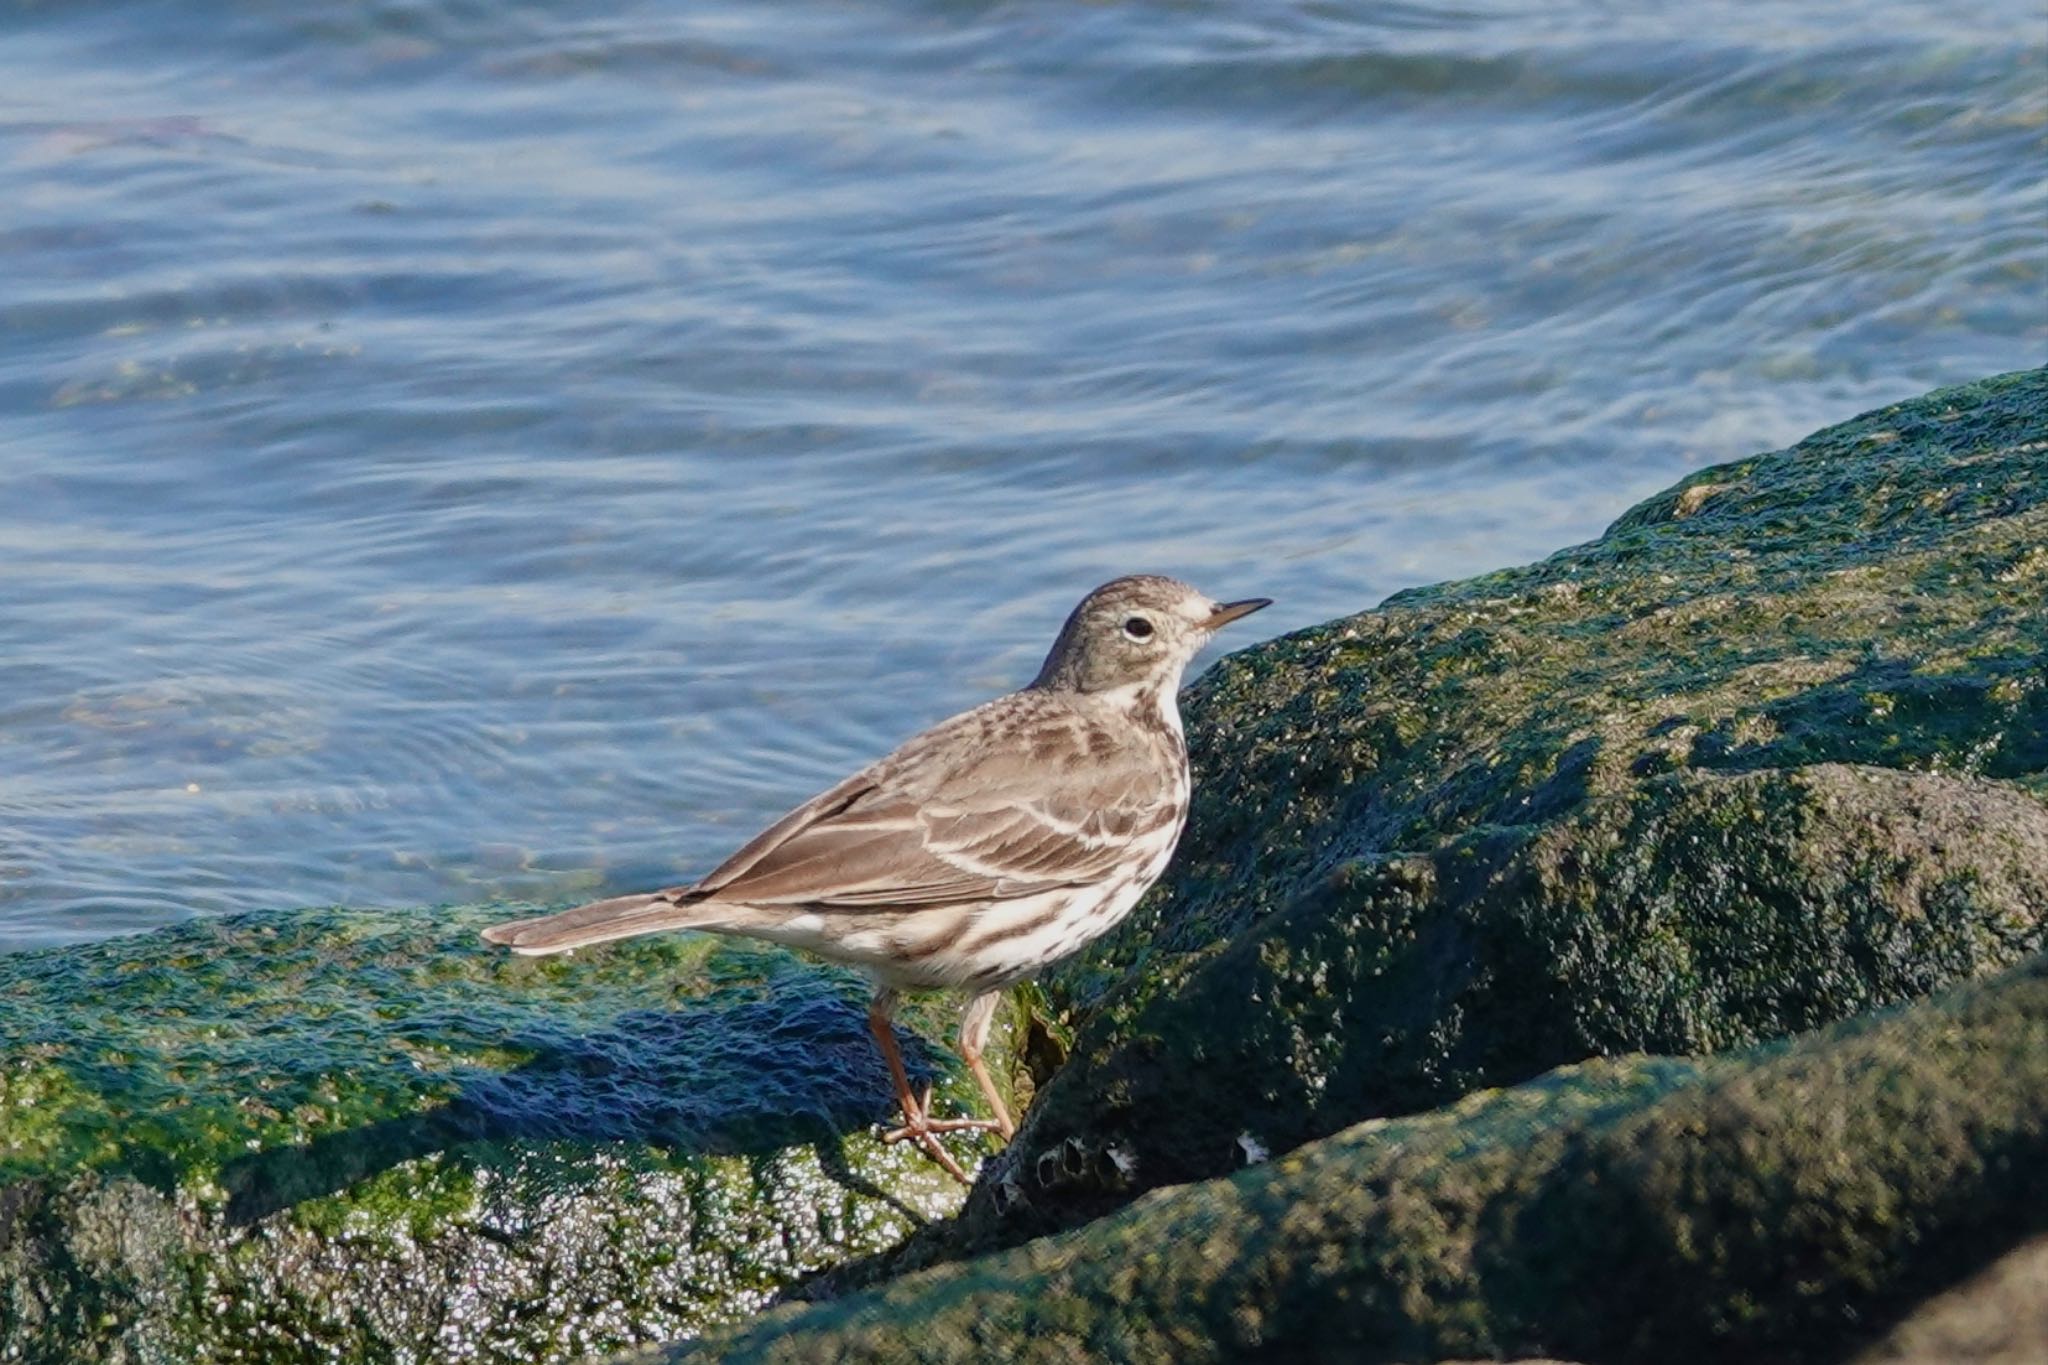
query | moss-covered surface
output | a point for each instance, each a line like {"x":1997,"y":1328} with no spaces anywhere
{"x":1770,"y":753}
{"x":1876,"y":594}
{"x":1780,"y":1205}
{"x":1998,"y":1316}
{"x":361,"y":1136}
{"x":1662,"y":920}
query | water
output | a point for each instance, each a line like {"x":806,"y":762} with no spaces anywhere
{"x":456,"y":450}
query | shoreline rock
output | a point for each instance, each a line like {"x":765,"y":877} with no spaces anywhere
{"x":1769,"y":758}
{"x":368,"y":1136}
{"x":1786,"y":1204}
{"x":1771,"y":753}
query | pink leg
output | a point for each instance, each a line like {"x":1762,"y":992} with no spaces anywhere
{"x":974,"y":1026}
{"x":916,"y":1124}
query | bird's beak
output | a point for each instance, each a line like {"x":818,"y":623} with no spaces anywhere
{"x":1231,"y":611}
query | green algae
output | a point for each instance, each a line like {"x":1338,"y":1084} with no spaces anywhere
{"x":1784,"y":1204}
{"x":1772,"y":752}
{"x":1769,"y":753}
{"x":1882,"y":556}
{"x":355,"y":1135}
{"x":1659,"y":921}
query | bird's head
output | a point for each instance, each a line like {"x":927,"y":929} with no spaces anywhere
{"x":1136,"y":630}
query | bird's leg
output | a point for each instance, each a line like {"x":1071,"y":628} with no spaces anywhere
{"x":974,"y":1026}
{"x":916,"y":1124}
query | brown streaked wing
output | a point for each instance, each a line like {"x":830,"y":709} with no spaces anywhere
{"x":819,"y":809}
{"x":968,"y":811}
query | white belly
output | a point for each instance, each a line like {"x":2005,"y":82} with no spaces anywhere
{"x":1008,"y":941}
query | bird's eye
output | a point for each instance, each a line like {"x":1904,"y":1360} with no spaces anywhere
{"x":1138,"y":628}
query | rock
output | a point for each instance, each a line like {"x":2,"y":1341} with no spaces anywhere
{"x":1779,"y":1204}
{"x":1771,"y":752}
{"x":1769,"y":755}
{"x":361,"y":1136}
{"x":1999,"y":1317}
{"x":1693,"y":913}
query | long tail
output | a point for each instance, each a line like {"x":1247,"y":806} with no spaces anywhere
{"x":603,"y":921}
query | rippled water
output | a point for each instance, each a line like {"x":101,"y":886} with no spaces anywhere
{"x":459,"y":450}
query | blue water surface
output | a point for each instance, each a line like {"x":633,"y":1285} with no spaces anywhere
{"x":460,"y":450}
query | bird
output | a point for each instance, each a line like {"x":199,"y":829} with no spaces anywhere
{"x":976,"y":854}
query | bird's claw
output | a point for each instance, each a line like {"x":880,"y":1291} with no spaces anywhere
{"x":923,"y":1129}
{"x":930,"y":1125}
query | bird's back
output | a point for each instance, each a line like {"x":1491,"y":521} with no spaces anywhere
{"x":977,"y":852}
{"x":991,"y":845}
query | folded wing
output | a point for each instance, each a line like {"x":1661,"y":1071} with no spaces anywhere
{"x":948,"y":820}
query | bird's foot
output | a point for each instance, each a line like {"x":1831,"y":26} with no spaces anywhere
{"x":920,"y":1127}
{"x":931,"y":1125}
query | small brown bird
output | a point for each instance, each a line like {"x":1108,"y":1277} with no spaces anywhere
{"x":980,"y":852}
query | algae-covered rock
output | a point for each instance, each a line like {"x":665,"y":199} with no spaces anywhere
{"x":1694,"y":913}
{"x":1998,"y":1317}
{"x":1771,"y":752}
{"x":345,"y":1135}
{"x":1779,"y":1205}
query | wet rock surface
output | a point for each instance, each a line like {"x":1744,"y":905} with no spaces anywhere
{"x":1771,"y":753}
{"x":1783,"y":1204}
{"x":1635,"y":955}
{"x":357,"y":1136}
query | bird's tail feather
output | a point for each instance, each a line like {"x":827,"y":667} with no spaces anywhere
{"x":601,"y":922}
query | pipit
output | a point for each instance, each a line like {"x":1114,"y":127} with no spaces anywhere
{"x":980,"y":852}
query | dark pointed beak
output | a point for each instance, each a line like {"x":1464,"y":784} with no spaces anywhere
{"x":1231,"y":611}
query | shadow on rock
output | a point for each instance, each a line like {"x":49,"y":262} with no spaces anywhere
{"x":1987,"y":716}
{"x":749,"y":1079}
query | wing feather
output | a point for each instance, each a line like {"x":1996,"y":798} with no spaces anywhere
{"x":951,"y":818}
